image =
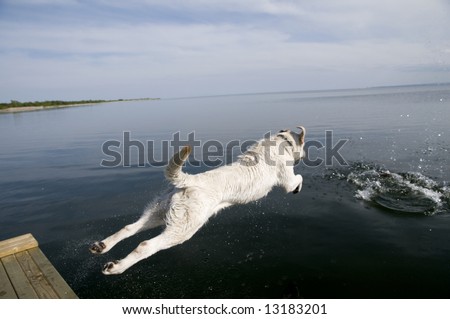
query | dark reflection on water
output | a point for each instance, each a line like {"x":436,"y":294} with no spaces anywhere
{"x":328,"y":241}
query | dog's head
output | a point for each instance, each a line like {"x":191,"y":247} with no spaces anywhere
{"x":296,"y":140}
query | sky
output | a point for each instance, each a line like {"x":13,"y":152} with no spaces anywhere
{"x":114,"y":49}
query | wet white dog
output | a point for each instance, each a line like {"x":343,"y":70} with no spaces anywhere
{"x":193,"y":199}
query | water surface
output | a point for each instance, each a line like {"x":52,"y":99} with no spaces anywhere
{"x":378,"y":227}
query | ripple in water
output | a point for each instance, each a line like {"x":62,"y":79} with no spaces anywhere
{"x":410,"y":192}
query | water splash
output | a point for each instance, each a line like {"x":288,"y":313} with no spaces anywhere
{"x":410,"y":192}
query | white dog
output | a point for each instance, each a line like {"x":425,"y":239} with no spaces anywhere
{"x":193,"y":199}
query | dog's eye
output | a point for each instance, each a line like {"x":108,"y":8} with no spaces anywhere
{"x":283,"y":131}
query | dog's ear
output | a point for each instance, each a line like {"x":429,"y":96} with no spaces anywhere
{"x":302,"y":135}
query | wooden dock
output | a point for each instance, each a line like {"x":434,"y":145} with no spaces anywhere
{"x":26,"y":273}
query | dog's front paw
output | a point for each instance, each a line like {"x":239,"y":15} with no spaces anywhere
{"x":297,"y":189}
{"x":112,"y":268}
{"x":97,"y":247}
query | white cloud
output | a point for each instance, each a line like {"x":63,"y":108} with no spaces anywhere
{"x":201,"y":49}
{"x":376,"y":44}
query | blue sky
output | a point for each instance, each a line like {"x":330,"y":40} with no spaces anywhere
{"x":99,"y":49}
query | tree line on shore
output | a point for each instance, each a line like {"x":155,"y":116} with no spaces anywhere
{"x":14,"y":103}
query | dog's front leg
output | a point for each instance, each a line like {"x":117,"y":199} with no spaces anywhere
{"x":293,"y":183}
{"x":299,"y":185}
{"x":289,"y":181}
{"x":298,"y":180}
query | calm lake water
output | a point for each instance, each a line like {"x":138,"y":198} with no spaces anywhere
{"x":377,"y":227}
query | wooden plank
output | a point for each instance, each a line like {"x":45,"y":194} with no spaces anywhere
{"x":36,"y":278}
{"x":20,"y":282}
{"x":51,"y":274}
{"x":6,"y":288}
{"x":17,"y":244}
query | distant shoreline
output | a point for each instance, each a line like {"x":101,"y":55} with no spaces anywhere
{"x":39,"y":108}
{"x":15,"y":106}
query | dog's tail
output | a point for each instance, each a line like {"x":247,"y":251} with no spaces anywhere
{"x":173,"y":170}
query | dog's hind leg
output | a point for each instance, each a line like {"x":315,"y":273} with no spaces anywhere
{"x":151,"y":218}
{"x":171,"y":236}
